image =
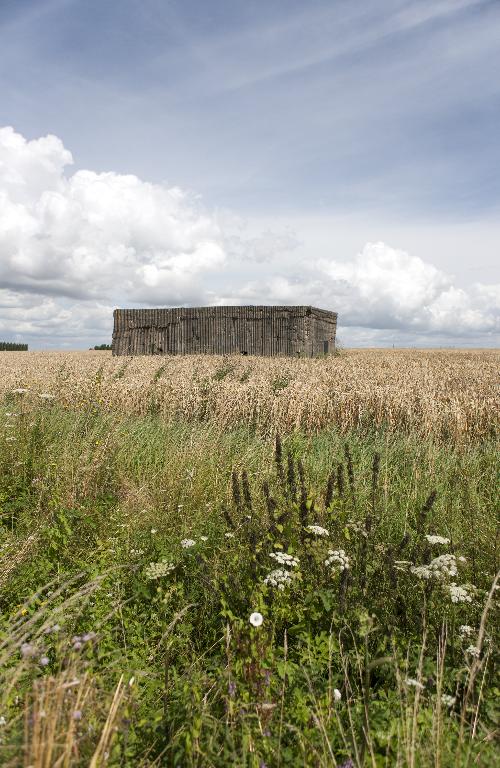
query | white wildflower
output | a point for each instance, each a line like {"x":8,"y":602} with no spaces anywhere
{"x":203,"y":538}
{"x":459,"y":594}
{"x":437,"y":539}
{"x":465,"y":631}
{"x":336,"y":694}
{"x":158,"y":570}
{"x":440,"y":568}
{"x":472,"y":650}
{"x":9,"y":439}
{"x":318,"y":530}
{"x":3,"y":721}
{"x":256,"y":619}
{"x":153,"y":531}
{"x":136,"y":552}
{"x":279,"y":578}
{"x":462,"y":559}
{"x":410,"y":681}
{"x":283,"y":558}
{"x":46,"y":396}
{"x":19,"y":391}
{"x":448,"y":700}
{"x":229,"y":535}
{"x":187,"y":543}
{"x":337,"y":558}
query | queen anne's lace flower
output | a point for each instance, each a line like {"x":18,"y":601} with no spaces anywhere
{"x":465,"y":631}
{"x":158,"y":570}
{"x":337,"y":558}
{"x":283,"y":558}
{"x":459,"y":594}
{"x":448,"y":700}
{"x":437,"y":539}
{"x":317,"y":530}
{"x":472,"y":650}
{"x":441,"y":567}
{"x":279,"y":578}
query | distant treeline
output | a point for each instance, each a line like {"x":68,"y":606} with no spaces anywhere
{"x":11,"y":346}
{"x":102,"y":346}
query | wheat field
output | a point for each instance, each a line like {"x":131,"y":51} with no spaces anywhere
{"x":261,"y":563}
{"x":451,"y":394}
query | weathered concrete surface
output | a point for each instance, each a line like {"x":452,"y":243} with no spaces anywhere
{"x":255,"y":330}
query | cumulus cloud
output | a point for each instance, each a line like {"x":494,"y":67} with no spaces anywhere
{"x":86,"y":235}
{"x":388,"y":289}
{"x":75,"y":245}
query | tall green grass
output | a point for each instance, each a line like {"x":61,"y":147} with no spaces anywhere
{"x":103,"y":665}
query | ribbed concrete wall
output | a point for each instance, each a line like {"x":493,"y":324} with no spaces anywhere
{"x":254,"y":330}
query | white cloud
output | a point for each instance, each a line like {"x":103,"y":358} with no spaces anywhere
{"x":387,"y":289}
{"x":92,"y":234}
{"x":74,"y":246}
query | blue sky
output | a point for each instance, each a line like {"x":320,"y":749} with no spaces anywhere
{"x":299,"y":133}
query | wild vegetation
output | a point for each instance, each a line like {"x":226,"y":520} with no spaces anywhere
{"x":213,"y":562}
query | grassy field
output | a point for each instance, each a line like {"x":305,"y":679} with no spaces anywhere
{"x":242,"y":562}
